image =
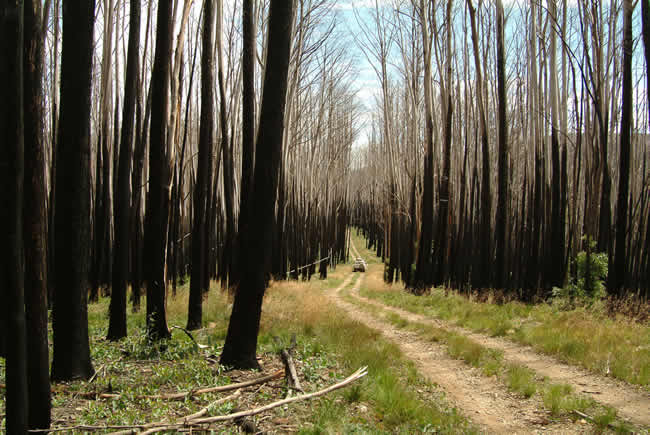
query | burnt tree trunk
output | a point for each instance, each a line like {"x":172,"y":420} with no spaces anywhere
{"x":617,"y":276}
{"x":157,"y":214}
{"x":72,"y":215}
{"x":500,"y":273}
{"x":241,"y":340}
{"x":117,"y":309}
{"x":11,"y":213}
{"x":248,"y":131}
{"x":199,"y":233}
{"x":35,"y":220}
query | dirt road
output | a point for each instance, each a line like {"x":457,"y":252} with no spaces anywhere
{"x":485,"y":400}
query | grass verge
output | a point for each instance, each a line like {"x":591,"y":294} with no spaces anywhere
{"x":558,"y":399}
{"x":614,"y":347}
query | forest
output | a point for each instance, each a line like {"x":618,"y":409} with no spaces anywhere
{"x":198,"y":162}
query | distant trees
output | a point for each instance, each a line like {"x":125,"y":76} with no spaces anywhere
{"x":534,"y":114}
{"x":241,"y":340}
{"x":71,"y":356}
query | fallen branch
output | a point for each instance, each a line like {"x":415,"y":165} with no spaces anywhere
{"x":205,"y":410}
{"x":307,"y":265}
{"x":291,"y":376}
{"x":590,"y":418}
{"x":185,"y":394}
{"x":189,"y":334}
{"x":158,"y":427}
{"x":185,"y":421}
{"x":353,"y":377}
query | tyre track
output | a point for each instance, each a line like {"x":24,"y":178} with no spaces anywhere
{"x":631,"y":403}
{"x":482,"y":399}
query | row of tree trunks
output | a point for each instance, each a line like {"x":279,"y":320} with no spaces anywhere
{"x":512,"y":132}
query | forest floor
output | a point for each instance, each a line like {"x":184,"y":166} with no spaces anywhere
{"x":427,"y":371}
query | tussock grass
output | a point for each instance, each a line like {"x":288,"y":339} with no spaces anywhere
{"x":521,"y":380}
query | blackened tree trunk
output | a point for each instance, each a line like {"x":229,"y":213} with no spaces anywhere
{"x":556,"y":248}
{"x":502,"y":204}
{"x":72,"y":215}
{"x":645,"y":19}
{"x":11,"y":213}
{"x":422,"y":276}
{"x":199,"y":233}
{"x":248,"y":131}
{"x":617,"y":276}
{"x":136,"y":182}
{"x":35,"y":220}
{"x":227,"y":150}
{"x":444,"y":198}
{"x":241,"y":340}
{"x":117,"y":309}
{"x":155,"y":242}
{"x":481,"y":279}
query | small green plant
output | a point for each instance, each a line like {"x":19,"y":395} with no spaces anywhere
{"x":606,"y":418}
{"x":589,"y":284}
{"x":555,"y":398}
{"x":521,"y":380}
{"x":353,"y":394}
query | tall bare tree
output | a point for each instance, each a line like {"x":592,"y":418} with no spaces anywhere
{"x":617,"y":275}
{"x":200,"y":224}
{"x":157,"y":216}
{"x":241,"y":340}
{"x":504,"y":179}
{"x":117,"y":309}
{"x":11,"y":214}
{"x":35,"y":217}
{"x":71,"y":356}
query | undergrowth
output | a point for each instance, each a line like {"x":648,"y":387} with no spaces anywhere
{"x":392,"y":398}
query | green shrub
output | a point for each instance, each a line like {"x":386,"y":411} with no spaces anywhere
{"x":577,"y":290}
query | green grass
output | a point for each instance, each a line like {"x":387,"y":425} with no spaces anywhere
{"x":392,"y":385}
{"x":614,"y":347}
{"x":558,"y":399}
{"x":392,"y":398}
{"x":521,"y":380}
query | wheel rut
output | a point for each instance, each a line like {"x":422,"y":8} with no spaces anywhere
{"x":484,"y":400}
{"x":632,"y":403}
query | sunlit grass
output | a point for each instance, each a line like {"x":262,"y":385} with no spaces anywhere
{"x":614,"y":347}
{"x":558,"y":399}
{"x":521,"y":380}
{"x":392,"y":385}
{"x":392,"y":398}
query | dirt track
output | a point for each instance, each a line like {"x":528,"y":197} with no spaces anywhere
{"x":485,"y":400}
